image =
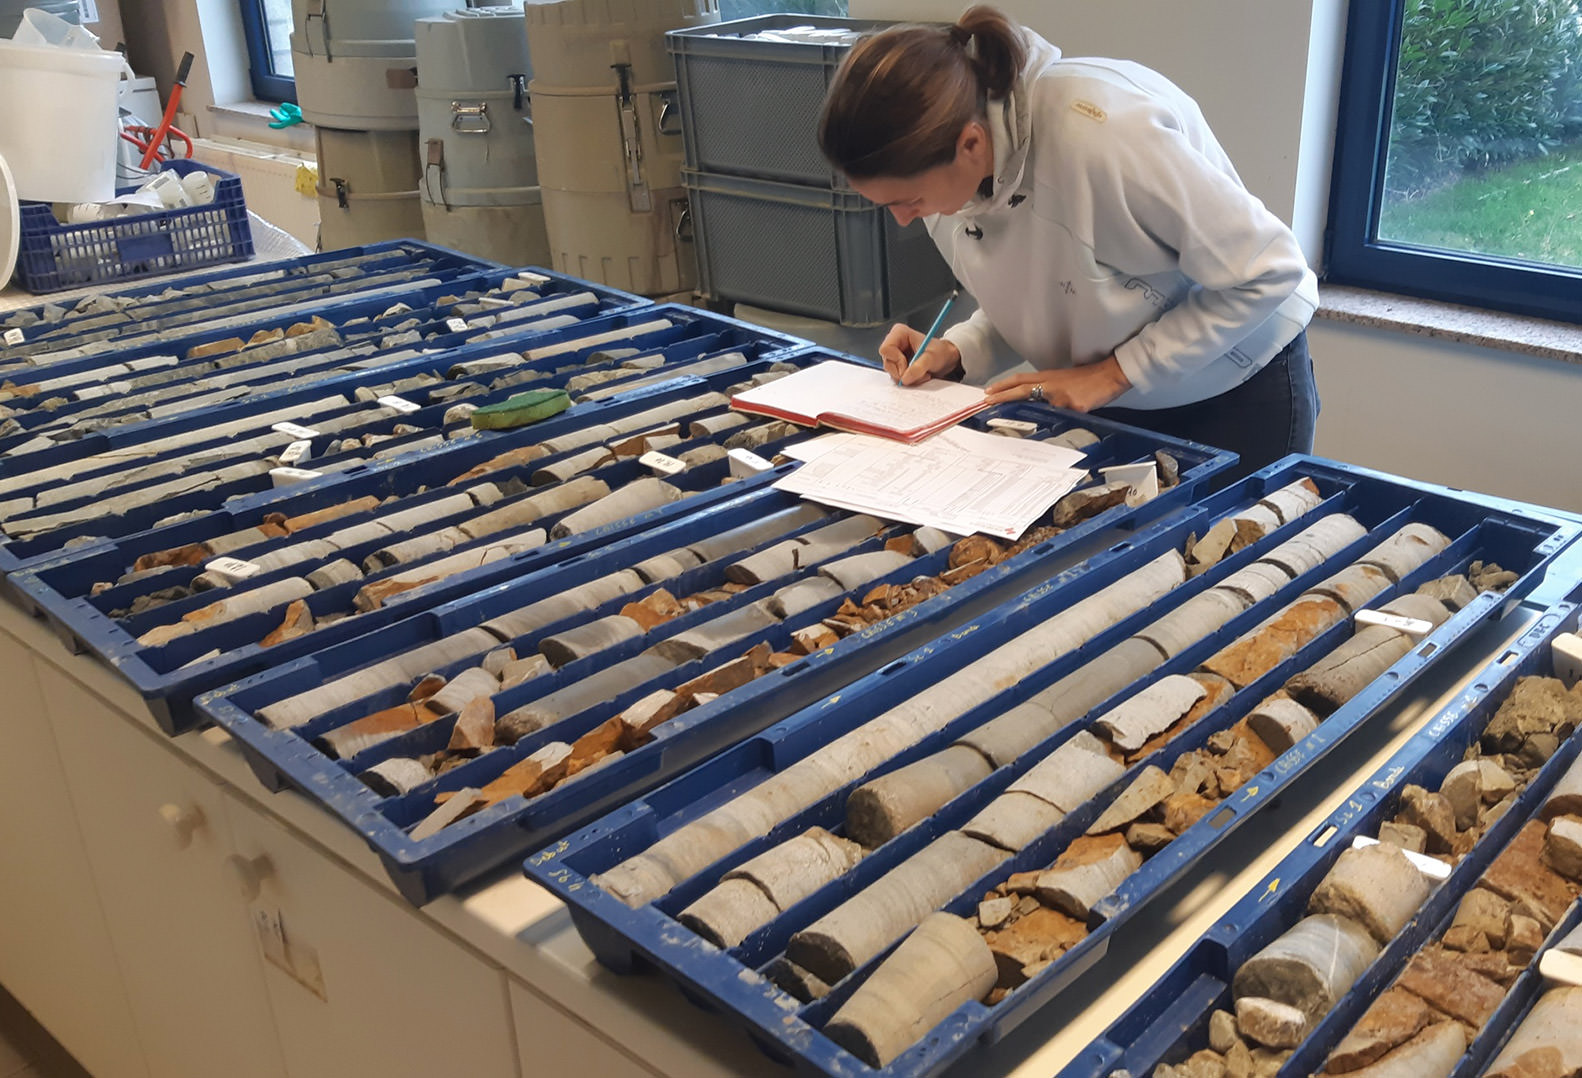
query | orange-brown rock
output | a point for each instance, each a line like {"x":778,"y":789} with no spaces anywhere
{"x":1520,"y":875}
{"x":1444,"y":983}
{"x":1394,"y":1018}
{"x":213,"y":348}
{"x":191,"y":554}
{"x":1181,"y":811}
{"x":653,"y":609}
{"x":974,"y":549}
{"x":373,"y":596}
{"x":1032,"y":939}
{"x":811,"y":638}
{"x":428,"y":686}
{"x":297,"y":329}
{"x":513,"y":458}
{"x":298,"y":622}
{"x":329,"y":512}
{"x":1249,"y":658}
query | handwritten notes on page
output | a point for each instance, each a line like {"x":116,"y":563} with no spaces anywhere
{"x":961,"y":481}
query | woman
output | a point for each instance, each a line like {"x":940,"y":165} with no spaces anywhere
{"x":1089,"y":209}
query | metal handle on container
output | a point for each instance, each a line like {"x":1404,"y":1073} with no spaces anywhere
{"x":669,"y":113}
{"x":518,"y":91}
{"x":470,"y":119}
{"x":183,"y":822}
{"x":684,"y":233}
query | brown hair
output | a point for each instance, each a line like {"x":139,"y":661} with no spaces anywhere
{"x":902,"y":96}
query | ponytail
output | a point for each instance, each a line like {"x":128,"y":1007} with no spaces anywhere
{"x":899,"y":101}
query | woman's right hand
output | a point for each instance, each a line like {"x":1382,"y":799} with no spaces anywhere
{"x":903,"y":365}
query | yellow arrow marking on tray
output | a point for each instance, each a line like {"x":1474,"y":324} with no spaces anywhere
{"x":1274,"y":885}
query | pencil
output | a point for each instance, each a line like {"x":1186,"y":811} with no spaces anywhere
{"x":933,"y":330}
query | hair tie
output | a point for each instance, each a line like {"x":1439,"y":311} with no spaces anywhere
{"x":961,"y":36}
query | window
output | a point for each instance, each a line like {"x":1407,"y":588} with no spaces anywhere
{"x":1458,"y":161}
{"x":268,"y":27}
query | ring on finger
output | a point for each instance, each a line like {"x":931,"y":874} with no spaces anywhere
{"x":1038,"y":392}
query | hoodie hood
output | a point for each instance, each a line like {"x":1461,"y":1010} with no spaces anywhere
{"x":1010,"y":124}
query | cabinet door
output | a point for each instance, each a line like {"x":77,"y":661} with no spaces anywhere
{"x":156,"y":835}
{"x":360,"y":982}
{"x":551,"y":1042}
{"x":55,"y":950}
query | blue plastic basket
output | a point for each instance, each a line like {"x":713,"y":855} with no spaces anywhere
{"x":734,"y":982}
{"x":54,"y":256}
{"x":1170,"y":1020}
{"x":378,"y":258}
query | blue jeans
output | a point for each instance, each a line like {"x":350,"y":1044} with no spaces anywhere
{"x":1269,"y":415}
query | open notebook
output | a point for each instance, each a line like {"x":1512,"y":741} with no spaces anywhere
{"x":862,"y":400}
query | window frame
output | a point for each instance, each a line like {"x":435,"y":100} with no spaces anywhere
{"x":1353,"y":254}
{"x":267,"y":84}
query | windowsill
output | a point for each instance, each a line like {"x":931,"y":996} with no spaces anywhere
{"x":249,"y":119}
{"x":1538,"y":337}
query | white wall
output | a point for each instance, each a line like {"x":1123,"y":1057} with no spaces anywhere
{"x":1267,"y":76}
{"x":1462,"y":415}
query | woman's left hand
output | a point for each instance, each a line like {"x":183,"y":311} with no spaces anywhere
{"x":1081,"y":389}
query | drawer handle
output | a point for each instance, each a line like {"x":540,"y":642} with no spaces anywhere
{"x":183,"y":822}
{"x":250,"y":873}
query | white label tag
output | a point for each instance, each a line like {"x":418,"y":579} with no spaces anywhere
{"x":295,"y":430}
{"x":284,"y":477}
{"x":296,"y":452}
{"x":1431,"y":867}
{"x":1567,"y":655}
{"x":14,"y":336}
{"x":1416,"y":628}
{"x":661,"y":463}
{"x":233,"y":569}
{"x":400,"y":404}
{"x":456,"y":325}
{"x":744,"y":462}
{"x":1013,"y":424}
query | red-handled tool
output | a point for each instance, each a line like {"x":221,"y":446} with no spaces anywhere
{"x":170,"y":111}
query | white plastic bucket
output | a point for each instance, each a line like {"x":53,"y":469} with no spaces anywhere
{"x":60,"y":131}
{"x":40,"y":27}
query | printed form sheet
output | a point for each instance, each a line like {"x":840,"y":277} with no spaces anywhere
{"x":961,"y":481}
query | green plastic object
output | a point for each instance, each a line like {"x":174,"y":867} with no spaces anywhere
{"x":522,"y":409}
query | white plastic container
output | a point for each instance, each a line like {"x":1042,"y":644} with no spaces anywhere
{"x":60,"y":130}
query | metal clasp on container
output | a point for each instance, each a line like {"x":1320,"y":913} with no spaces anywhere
{"x":669,"y":113}
{"x":435,"y":161}
{"x":315,"y":10}
{"x":470,"y":119}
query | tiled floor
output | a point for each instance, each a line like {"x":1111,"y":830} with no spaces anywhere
{"x":27,"y":1050}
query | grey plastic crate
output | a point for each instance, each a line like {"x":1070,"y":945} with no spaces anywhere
{"x":813,"y":251}
{"x":750,"y":108}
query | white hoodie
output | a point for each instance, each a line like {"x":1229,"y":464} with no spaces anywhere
{"x":1117,"y":224}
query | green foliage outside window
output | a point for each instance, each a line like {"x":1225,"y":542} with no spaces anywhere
{"x":1482,"y":82}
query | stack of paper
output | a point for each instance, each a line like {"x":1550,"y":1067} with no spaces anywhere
{"x":960,"y":481}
